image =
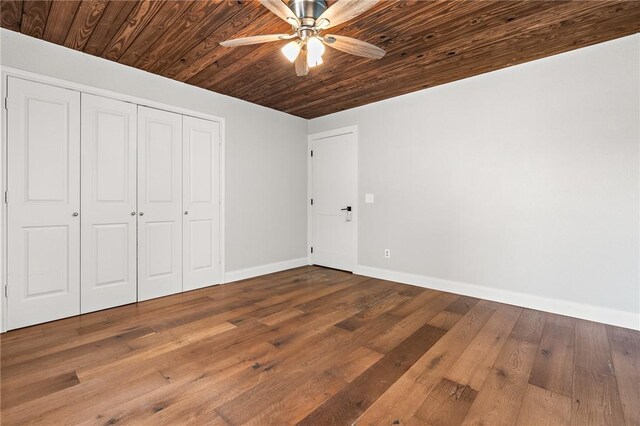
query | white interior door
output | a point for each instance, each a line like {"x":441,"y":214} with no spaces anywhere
{"x":43,"y":203}
{"x":159,"y":203}
{"x":334,"y":189}
{"x":108,"y":237}
{"x":201,"y":203}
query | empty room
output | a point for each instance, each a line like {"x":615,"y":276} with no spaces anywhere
{"x":320,"y":212}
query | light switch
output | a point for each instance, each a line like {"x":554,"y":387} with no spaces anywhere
{"x":368,"y":198}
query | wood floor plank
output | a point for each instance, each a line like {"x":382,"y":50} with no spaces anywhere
{"x":194,"y":390}
{"x":595,"y":397}
{"x":392,"y":337}
{"x":592,"y":350}
{"x":318,"y":346}
{"x":462,"y":305}
{"x":280,"y":316}
{"x":34,"y":390}
{"x":445,"y":320}
{"x":347,"y":405}
{"x":151,"y":352}
{"x":625,"y":350}
{"x":362,"y":317}
{"x":58,"y":407}
{"x":317,"y":390}
{"x":553,"y":366}
{"x":473,"y":367}
{"x":544,"y":408}
{"x":446,"y":404}
{"x":404,"y":397}
{"x":313,"y":354}
{"x":501,"y":395}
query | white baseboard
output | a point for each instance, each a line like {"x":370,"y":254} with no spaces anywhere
{"x":556,"y":306}
{"x":255,"y":271}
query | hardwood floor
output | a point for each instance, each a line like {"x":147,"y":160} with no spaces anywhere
{"x":317,"y":346}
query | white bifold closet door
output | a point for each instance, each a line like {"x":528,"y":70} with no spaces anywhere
{"x":201,"y":203}
{"x":108,"y":221}
{"x":159,"y":203}
{"x":43,"y":180}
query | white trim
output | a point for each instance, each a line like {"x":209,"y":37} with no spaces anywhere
{"x":3,"y":208}
{"x":5,"y":72}
{"x":556,"y":306}
{"x":356,"y":205}
{"x":255,"y":271}
{"x":309,"y":196}
{"x":223,"y":202}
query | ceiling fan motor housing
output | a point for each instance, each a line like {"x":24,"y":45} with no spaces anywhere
{"x":308,"y":9}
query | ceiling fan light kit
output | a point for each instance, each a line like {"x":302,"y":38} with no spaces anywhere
{"x":315,"y":50}
{"x":291,"y":50}
{"x":307,"y":19}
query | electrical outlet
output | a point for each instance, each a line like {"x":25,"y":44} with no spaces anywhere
{"x":387,"y":254}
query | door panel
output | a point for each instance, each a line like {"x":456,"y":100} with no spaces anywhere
{"x":334,"y":187}
{"x":113,"y":270}
{"x":43,"y":178}
{"x":108,"y":201}
{"x":160,"y":248}
{"x":46,"y":263}
{"x":159,"y":203}
{"x":201,"y":202}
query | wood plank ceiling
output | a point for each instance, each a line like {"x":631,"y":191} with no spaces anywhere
{"x":428,"y":43}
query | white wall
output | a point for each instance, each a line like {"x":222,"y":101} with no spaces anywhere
{"x":521,"y":185}
{"x":266,"y":167}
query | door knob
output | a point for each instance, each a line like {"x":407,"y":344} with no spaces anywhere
{"x":133,"y":213}
{"x":141,"y":213}
{"x":348,"y":210}
{"x":75,"y":214}
{"x":186,"y":212}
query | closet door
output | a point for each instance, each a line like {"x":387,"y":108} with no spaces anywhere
{"x":201,"y":202}
{"x":43,"y":203}
{"x":108,"y":170}
{"x":159,"y":203}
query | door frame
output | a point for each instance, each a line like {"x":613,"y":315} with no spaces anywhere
{"x":323,"y":135}
{"x":6,"y":72}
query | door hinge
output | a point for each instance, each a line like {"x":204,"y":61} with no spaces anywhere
{"x":6,"y":103}
{"x":311,"y":250}
{"x":6,"y":197}
{"x":312,"y":201}
{"x":6,"y":291}
{"x":312,"y":153}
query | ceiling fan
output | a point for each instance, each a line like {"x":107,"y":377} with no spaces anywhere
{"x":308,"y":19}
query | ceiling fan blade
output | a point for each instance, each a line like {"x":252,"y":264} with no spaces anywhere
{"x":354,"y":46}
{"x":342,"y":11}
{"x":302,"y":67}
{"x":245,"y":41}
{"x":282,"y":10}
